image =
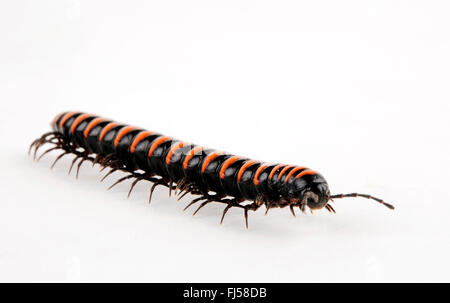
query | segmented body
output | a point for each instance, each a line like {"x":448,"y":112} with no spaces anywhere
{"x":192,"y":168}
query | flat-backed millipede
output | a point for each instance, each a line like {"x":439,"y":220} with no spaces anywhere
{"x":187,"y":168}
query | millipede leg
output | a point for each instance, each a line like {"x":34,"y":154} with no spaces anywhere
{"x":115,"y":163}
{"x":201,"y":206}
{"x":133,"y":185}
{"x":225,"y":212}
{"x":186,"y":189}
{"x":230,"y":203}
{"x":193,"y":202}
{"x":254,"y":206}
{"x":170,"y":188}
{"x":47,"y":151}
{"x":109,"y":173}
{"x":58,"y":158}
{"x":105,"y":161}
{"x":246,"y":217}
{"x":109,"y":164}
{"x":72,"y":164}
{"x":151,"y":192}
{"x":302,"y":207}
{"x":183,"y":195}
{"x":330,"y":208}
{"x":180,"y":184}
{"x":85,"y":158}
{"x":120,"y":180}
{"x":40,"y":139}
{"x":30,"y":148}
{"x":181,"y":189}
{"x":40,"y":144}
{"x":292,"y":210}
{"x":156,"y":183}
{"x":96,"y":159}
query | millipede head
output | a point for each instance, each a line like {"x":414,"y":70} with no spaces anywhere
{"x":316,"y":197}
{"x":310,"y":191}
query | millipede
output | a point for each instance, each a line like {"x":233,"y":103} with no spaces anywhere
{"x":185,"y":168}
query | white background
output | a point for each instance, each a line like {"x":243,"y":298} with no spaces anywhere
{"x":357,"y":90}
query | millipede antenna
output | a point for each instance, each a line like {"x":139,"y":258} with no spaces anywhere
{"x":356,"y":195}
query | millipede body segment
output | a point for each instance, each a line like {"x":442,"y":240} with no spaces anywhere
{"x":184,"y":167}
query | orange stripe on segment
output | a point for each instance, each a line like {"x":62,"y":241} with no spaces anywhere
{"x":78,"y":121}
{"x":244,"y":168}
{"x":258,"y":172}
{"x":284,"y":171}
{"x":293,"y":172}
{"x":123,"y":132}
{"x":65,"y":118}
{"x":106,"y":129}
{"x":226,"y":164}
{"x":157,"y":143}
{"x":56,"y":119}
{"x":209,"y":158}
{"x":91,"y":125}
{"x":190,"y":155}
{"x":274,"y":170}
{"x":306,"y":172}
{"x":141,"y":136}
{"x":172,"y":150}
